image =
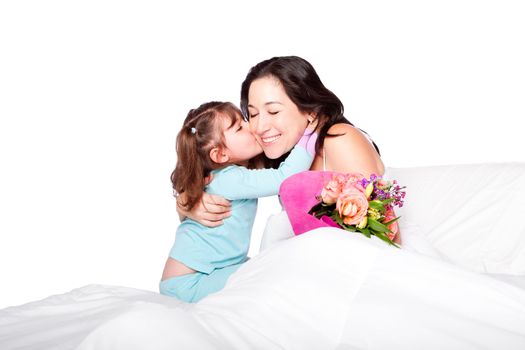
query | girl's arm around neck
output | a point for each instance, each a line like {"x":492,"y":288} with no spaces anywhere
{"x":237,"y":182}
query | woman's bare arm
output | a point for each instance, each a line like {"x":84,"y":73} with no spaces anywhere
{"x":351,"y":152}
{"x":210,"y":211}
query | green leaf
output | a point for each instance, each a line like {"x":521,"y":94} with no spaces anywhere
{"x":384,"y":237}
{"x":349,"y":228}
{"x":376,"y":225}
{"x":376,"y":205}
{"x":391,"y":221}
{"x":388,"y":200}
{"x":337,"y":218}
{"x":365,"y":231}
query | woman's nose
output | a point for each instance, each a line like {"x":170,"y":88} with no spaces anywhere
{"x":259,"y":125}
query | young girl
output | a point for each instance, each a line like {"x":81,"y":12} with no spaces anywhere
{"x":216,"y":141}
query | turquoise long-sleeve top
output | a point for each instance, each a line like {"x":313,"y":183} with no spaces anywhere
{"x":207,"y":248}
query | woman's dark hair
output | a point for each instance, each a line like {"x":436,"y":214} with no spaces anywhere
{"x":200,"y":133}
{"x":304,"y":87}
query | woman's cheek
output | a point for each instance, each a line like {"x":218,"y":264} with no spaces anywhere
{"x":252,"y":125}
{"x":258,"y":140}
{"x":295,"y":137}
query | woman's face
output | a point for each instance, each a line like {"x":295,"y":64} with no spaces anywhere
{"x":275,"y":120}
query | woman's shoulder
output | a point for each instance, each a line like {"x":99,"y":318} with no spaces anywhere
{"x":351,"y":151}
{"x":346,"y":134}
{"x":342,"y":128}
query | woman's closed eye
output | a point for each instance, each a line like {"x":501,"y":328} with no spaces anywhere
{"x":273,"y":112}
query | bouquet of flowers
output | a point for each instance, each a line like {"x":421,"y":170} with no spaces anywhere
{"x":357,"y":204}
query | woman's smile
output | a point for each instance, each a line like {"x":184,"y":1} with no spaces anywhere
{"x":269,"y":140}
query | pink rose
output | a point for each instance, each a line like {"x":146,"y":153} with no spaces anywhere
{"x":354,"y":186}
{"x":382,"y":183}
{"x":354,"y":177}
{"x":354,"y":180}
{"x":332,"y":189}
{"x":352,"y":205}
{"x":394,"y":227}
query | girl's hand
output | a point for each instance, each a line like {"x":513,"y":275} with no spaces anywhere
{"x":210,"y":211}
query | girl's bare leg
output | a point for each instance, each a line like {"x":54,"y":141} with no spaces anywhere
{"x":175,"y":268}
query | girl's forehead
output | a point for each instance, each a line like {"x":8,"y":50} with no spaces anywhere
{"x":228,"y":120}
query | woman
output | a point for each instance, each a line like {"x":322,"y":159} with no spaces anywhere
{"x":281,"y":97}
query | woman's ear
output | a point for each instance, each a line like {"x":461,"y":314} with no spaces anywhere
{"x":312,"y":119}
{"x":218,"y":156}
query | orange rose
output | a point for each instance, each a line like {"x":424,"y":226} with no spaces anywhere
{"x":382,"y":183}
{"x":353,"y":179}
{"x":352,"y":205}
{"x":333,"y":189}
{"x":394,"y":227}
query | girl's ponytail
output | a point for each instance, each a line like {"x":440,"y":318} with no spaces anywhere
{"x":189,"y":169}
{"x":200,"y":133}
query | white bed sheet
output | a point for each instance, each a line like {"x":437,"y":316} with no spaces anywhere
{"x":329,"y":289}
{"x":62,"y":321}
{"x":469,"y":214}
{"x":374,"y":297}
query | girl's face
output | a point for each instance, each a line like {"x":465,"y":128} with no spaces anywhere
{"x":240,"y":143}
{"x":275,"y":120}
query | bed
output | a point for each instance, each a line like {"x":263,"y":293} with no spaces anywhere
{"x":458,"y":284}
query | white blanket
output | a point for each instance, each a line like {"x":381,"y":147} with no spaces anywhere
{"x":326,"y":289}
{"x":330,"y":289}
{"x":469,"y":214}
{"x":62,"y":321}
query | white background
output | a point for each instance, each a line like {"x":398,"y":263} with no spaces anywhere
{"x":92,"y":95}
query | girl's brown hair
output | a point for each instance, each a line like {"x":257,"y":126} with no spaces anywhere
{"x":200,"y":133}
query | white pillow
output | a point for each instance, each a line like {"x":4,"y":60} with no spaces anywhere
{"x":473,"y":215}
